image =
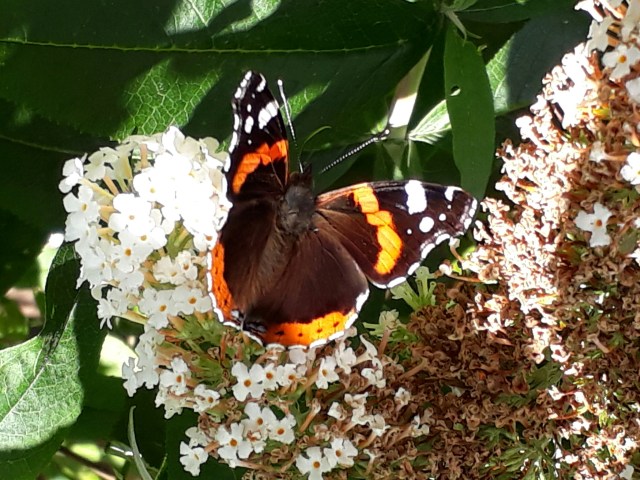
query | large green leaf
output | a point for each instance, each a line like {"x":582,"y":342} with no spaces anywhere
{"x":501,"y":11}
{"x":21,"y":243}
{"x":74,"y":74}
{"x":143,"y":65}
{"x":470,"y":107}
{"x":42,"y":378}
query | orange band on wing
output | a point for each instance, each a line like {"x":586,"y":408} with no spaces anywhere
{"x":288,"y":334}
{"x":264,"y":155}
{"x":389,"y":241}
{"x":219,"y":287}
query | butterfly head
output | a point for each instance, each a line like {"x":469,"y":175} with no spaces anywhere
{"x":298,"y":206}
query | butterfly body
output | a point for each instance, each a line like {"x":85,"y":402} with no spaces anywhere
{"x":291,"y":268}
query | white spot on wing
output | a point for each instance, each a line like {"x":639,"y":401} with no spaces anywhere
{"x":248,"y":125}
{"x":234,"y":141}
{"x":269,"y":111}
{"x":426,"y":248}
{"x":448,"y":193}
{"x":426,"y":224}
{"x":441,"y":238}
{"x":416,"y":197}
{"x":395,"y":282}
{"x":442,"y":217}
{"x":409,"y":231}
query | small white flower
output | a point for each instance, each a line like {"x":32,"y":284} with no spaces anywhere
{"x":631,"y":170}
{"x":300,"y":356}
{"x":370,"y":352}
{"x":342,"y":452}
{"x":627,"y":473}
{"x":402,"y":397}
{"x":418,"y":427}
{"x":375,"y":374}
{"x":189,"y":300}
{"x":270,"y":381}
{"x":157,"y":305}
{"x":336,"y":411}
{"x":249,"y":382}
{"x":175,"y":378}
{"x":133,"y":213}
{"x":173,"y":404}
{"x":96,"y":168}
{"x":598,"y":34}
{"x":282,"y":430}
{"x":315,"y":463}
{"x":345,"y":357}
{"x":205,"y":398}
{"x":233,"y":445}
{"x":192,"y":457}
{"x":621,"y":60}
{"x":327,"y":373}
{"x":130,"y":253}
{"x":633,"y":89}
{"x":166,"y":271}
{"x":131,"y":383}
{"x":153,"y":185}
{"x":377,"y":424}
{"x":357,"y":400}
{"x":83,"y":206}
{"x":596,"y":223}
{"x":72,"y":173}
{"x":597,"y":153}
{"x":389,"y":320}
{"x":287,"y":374}
{"x":259,"y":419}
{"x":196,"y":437}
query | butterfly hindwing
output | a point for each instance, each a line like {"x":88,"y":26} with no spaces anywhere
{"x":390,"y":227}
{"x":316,"y":297}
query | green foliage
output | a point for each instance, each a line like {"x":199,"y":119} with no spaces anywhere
{"x":76,"y":75}
{"x":42,"y":377}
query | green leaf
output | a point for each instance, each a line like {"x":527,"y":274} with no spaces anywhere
{"x":517,"y":69}
{"x":143,"y":65}
{"x":470,"y":106}
{"x":138,"y":67}
{"x":14,"y":327}
{"x":502,"y":11}
{"x":41,"y":378}
{"x":137,"y":457}
{"x":20,"y":245}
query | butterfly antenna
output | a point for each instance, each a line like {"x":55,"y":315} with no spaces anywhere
{"x":374,"y":139}
{"x":287,"y":112}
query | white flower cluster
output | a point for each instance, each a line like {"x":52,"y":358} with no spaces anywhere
{"x":129,"y":208}
{"x":253,"y":385}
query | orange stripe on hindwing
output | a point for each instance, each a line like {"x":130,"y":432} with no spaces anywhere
{"x":389,"y":241}
{"x":264,"y":155}
{"x":294,"y":333}
{"x":219,"y":287}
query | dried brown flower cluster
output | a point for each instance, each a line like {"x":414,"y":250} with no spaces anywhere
{"x":537,"y":373}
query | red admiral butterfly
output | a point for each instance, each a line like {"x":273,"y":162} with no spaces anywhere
{"x":291,"y":268}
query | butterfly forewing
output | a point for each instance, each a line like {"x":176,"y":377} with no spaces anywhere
{"x":259,"y":145}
